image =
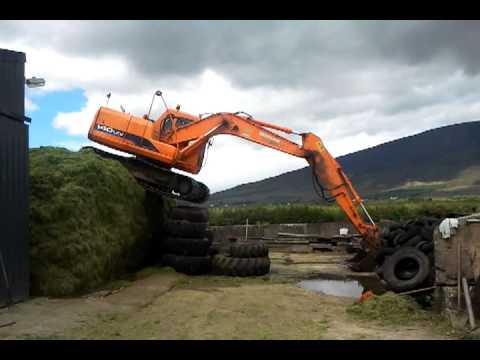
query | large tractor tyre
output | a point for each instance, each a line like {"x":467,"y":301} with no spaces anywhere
{"x":189,"y":213}
{"x":190,"y":265}
{"x":406,"y":269}
{"x":248,"y":250}
{"x":186,"y":246}
{"x":186,"y":228}
{"x":232,"y":266}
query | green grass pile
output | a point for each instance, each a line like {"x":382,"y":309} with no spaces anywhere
{"x":389,"y":308}
{"x":88,"y":221}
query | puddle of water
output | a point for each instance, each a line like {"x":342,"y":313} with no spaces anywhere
{"x":342,"y":288}
{"x":351,"y":288}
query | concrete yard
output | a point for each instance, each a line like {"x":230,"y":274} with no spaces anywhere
{"x":162,"y":304}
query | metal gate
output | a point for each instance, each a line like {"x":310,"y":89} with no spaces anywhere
{"x":14,"y":178}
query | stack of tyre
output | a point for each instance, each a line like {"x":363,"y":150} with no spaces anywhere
{"x":406,"y":261}
{"x":242,"y":259}
{"x":185,"y":244}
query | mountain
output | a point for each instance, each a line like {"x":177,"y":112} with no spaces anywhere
{"x":440,"y":162}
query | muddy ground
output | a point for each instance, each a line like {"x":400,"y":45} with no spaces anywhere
{"x":162,"y":304}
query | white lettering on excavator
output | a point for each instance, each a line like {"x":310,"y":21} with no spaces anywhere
{"x":109,"y":130}
{"x":269,"y":137}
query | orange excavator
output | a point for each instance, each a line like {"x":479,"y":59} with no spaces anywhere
{"x":178,"y":140}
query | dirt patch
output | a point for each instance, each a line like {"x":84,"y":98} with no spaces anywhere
{"x":166,"y":305}
{"x":208,"y":308}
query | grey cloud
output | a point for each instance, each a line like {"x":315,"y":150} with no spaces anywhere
{"x":288,"y":53}
{"x":279,"y":52}
{"x":423,"y":41}
{"x":354,"y":67}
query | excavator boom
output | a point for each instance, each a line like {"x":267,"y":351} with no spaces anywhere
{"x":178,"y":140}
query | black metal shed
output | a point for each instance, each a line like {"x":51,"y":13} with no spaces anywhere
{"x":14,"y":170}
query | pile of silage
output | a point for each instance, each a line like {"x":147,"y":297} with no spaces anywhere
{"x":88,"y":221}
{"x":389,"y":308}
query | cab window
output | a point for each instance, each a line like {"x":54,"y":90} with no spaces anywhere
{"x":181,"y":122}
{"x":167,"y":126}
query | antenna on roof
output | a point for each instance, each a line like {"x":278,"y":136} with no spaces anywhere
{"x":108,"y":97}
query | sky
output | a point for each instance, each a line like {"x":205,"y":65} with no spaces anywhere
{"x":356,"y":84}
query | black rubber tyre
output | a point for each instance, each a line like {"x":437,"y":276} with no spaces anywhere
{"x":427,"y":248}
{"x":406,"y":269}
{"x":414,"y":241}
{"x":209,"y":234}
{"x":190,"y":265}
{"x":400,"y":239}
{"x":384,"y":241}
{"x":232,"y":266}
{"x":169,"y":260}
{"x":394,"y":233}
{"x":385,"y":233}
{"x":382,"y":254}
{"x":248,"y":250}
{"x":427,"y":233}
{"x":395,"y":227}
{"x":412,"y":230}
{"x":189,"y":213}
{"x":350,"y":249}
{"x":214,"y":249}
{"x":379,"y":270}
{"x":421,"y":244}
{"x":186,"y":246}
{"x":430,"y":221}
{"x":185,"y":228}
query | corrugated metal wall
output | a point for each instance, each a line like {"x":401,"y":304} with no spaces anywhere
{"x":14,"y":207}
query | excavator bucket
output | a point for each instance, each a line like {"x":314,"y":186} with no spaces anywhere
{"x":363,"y":261}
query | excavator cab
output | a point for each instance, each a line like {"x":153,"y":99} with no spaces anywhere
{"x":169,"y":122}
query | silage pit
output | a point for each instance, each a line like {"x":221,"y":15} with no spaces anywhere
{"x":90,"y":222}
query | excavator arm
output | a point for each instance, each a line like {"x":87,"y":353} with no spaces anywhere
{"x":328,"y":174}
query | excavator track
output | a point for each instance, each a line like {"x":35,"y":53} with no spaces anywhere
{"x":159,"y":180}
